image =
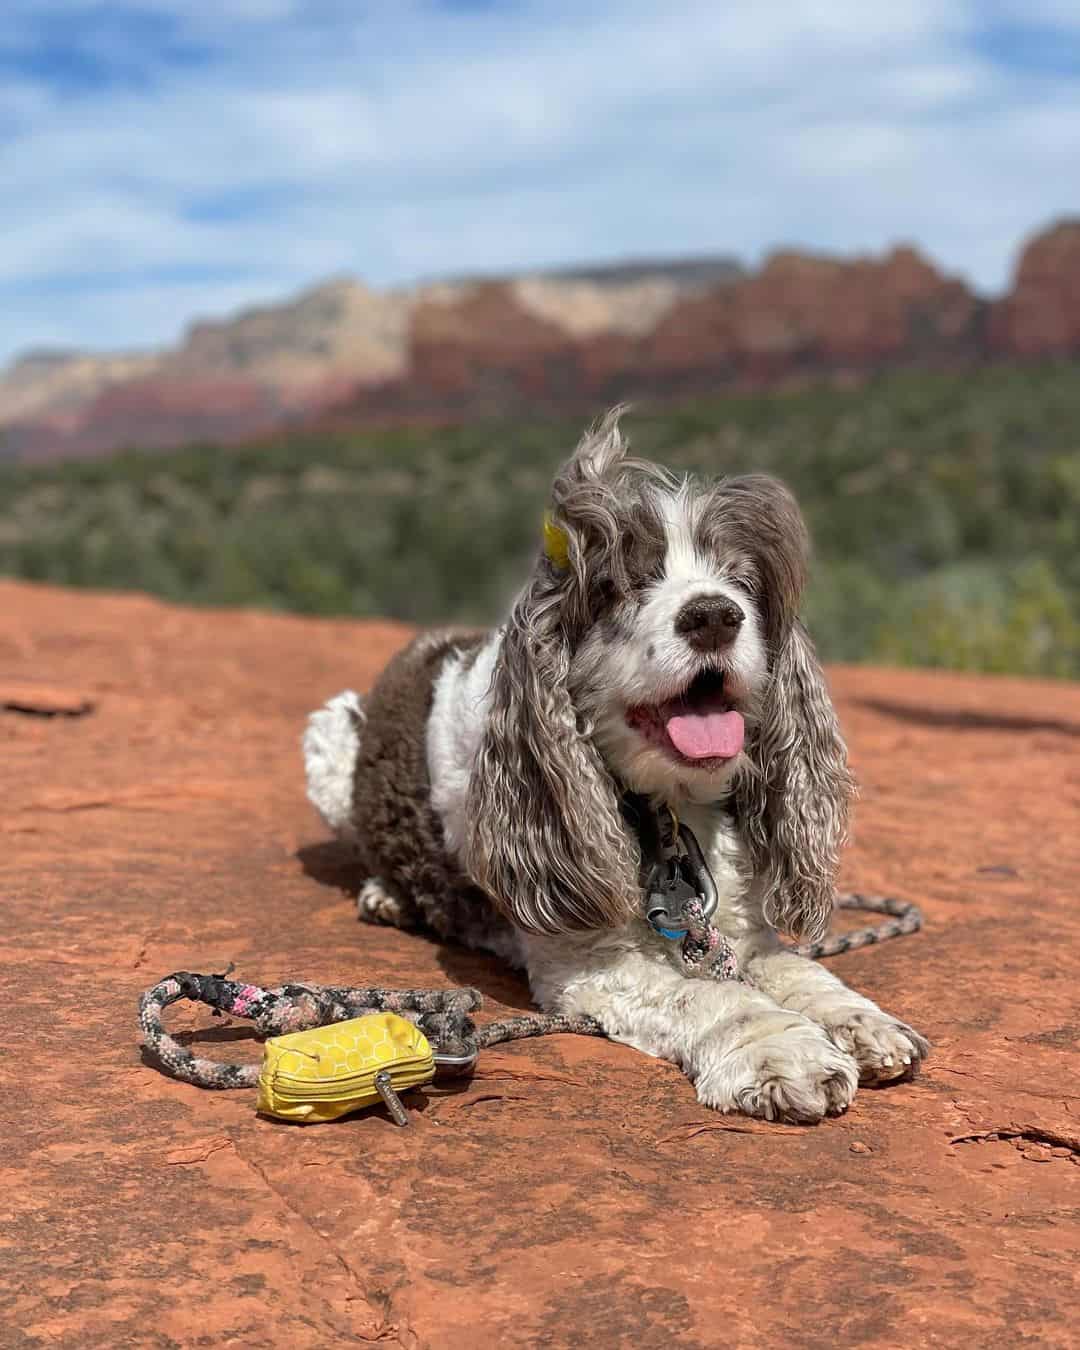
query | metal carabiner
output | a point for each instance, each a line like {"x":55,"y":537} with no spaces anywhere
{"x":703,"y":878}
{"x":453,"y":1065}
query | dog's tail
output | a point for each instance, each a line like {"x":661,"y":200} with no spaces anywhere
{"x":331,"y":746}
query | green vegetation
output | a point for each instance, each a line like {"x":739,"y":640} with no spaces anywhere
{"x":945,"y":510}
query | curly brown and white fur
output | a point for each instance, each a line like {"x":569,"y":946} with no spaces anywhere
{"x":480,"y":782}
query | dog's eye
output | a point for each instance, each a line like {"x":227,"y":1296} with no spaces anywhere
{"x":643,"y":559}
{"x":646,"y":580}
{"x":746,"y":580}
{"x":605,"y":594}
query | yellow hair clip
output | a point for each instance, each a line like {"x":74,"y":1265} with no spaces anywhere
{"x":556,"y":542}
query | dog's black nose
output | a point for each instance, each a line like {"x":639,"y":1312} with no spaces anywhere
{"x":709,"y":623}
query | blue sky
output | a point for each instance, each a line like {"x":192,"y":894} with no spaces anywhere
{"x":167,"y":159}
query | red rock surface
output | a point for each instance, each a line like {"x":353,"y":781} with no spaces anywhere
{"x":43,"y":700}
{"x":573,"y":1192}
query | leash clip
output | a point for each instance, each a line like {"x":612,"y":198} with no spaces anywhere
{"x":669,"y":891}
{"x":677,"y":879}
{"x":453,"y":1065}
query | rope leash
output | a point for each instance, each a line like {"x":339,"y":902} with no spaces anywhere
{"x":443,"y":1015}
{"x":906,"y":918}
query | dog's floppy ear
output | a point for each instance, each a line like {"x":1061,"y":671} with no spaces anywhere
{"x":546,"y":839}
{"x":795,"y":803}
{"x":795,"y":799}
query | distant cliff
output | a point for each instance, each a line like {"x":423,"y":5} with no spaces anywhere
{"x":571,"y":339}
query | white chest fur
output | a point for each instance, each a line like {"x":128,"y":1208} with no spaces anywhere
{"x":455,"y":727}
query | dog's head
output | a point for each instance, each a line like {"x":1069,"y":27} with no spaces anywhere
{"x":656,"y":648}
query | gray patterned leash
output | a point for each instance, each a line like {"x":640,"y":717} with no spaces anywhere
{"x":906,"y":918}
{"x":443,"y":1015}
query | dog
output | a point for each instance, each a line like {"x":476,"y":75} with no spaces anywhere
{"x":655,"y":649}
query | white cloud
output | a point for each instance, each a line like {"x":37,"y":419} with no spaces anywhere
{"x":394,"y":141}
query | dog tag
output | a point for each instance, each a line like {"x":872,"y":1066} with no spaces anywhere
{"x":670,"y":891}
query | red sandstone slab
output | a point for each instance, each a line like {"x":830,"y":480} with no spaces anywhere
{"x":24,"y":696}
{"x":573,"y":1192}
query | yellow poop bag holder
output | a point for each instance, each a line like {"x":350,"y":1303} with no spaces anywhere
{"x":332,"y":1050}
{"x":326,"y":1073}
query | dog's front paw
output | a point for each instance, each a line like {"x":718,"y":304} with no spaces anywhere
{"x":884,"y":1048}
{"x":375,"y":904}
{"x":795,"y":1073}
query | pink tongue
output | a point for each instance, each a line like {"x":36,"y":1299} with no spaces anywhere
{"x":707,"y":735}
